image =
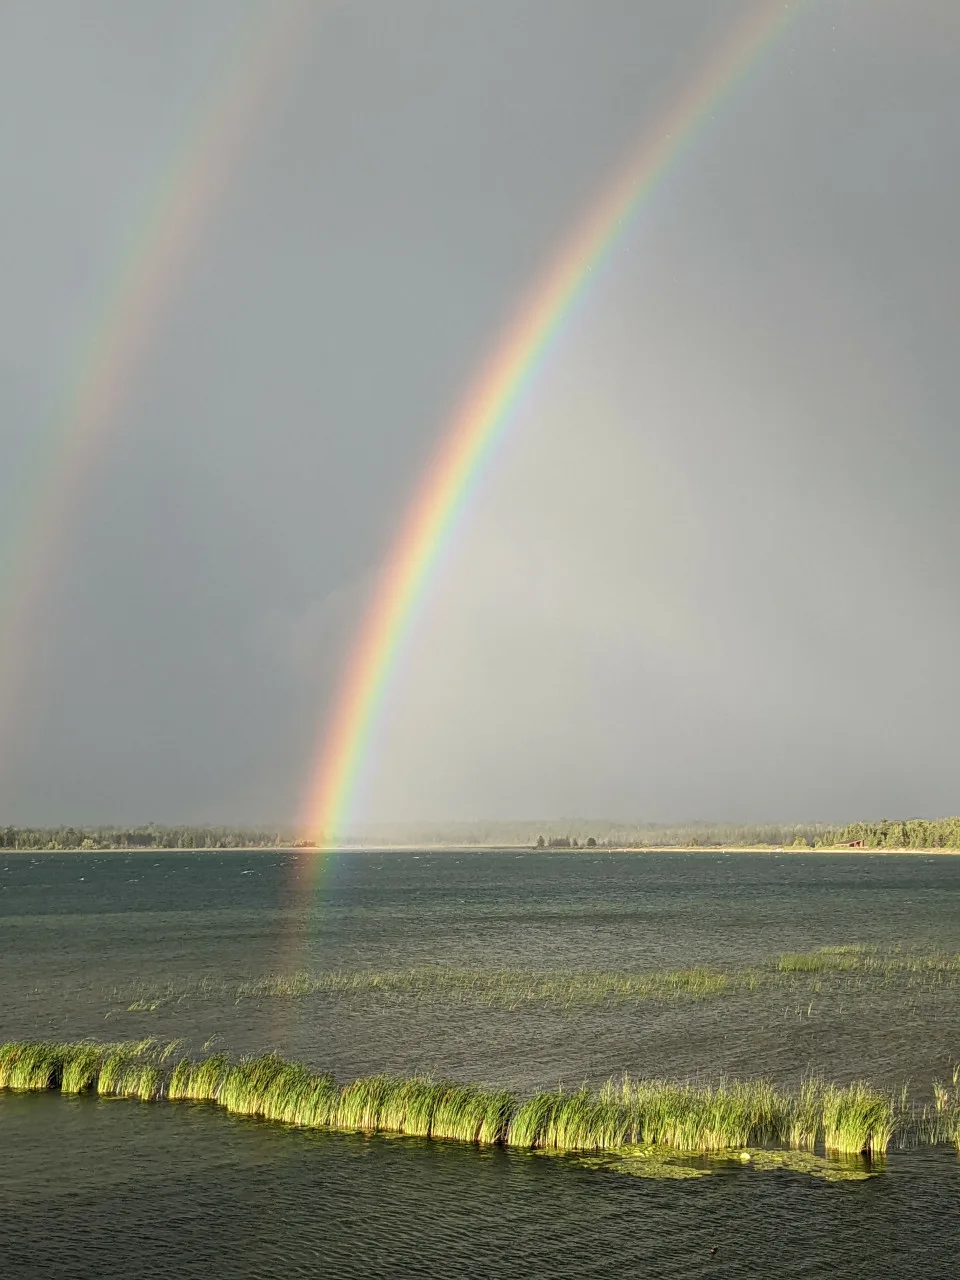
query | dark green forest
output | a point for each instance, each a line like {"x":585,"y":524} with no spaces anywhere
{"x":910,"y":833}
{"x":147,"y":837}
{"x":577,"y":833}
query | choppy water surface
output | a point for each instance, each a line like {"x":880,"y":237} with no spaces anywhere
{"x":95,"y":1188}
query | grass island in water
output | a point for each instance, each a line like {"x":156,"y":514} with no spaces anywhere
{"x":849,"y":968}
{"x":631,"y":1120}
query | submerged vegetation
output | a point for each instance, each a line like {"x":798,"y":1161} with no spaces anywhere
{"x":860,"y":966}
{"x":663,"y":1163}
{"x":625,"y":1116}
{"x":503,"y":988}
{"x":868,"y":959}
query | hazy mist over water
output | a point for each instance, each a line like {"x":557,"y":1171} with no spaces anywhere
{"x":711,"y":570}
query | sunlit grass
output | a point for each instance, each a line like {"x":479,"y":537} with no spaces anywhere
{"x":868,"y":959}
{"x":506,"y":988}
{"x":199,"y":1081}
{"x":133,"y":1068}
{"x":806,"y":1116}
{"x":856,"y":1120}
{"x":31,"y":1065}
{"x":945,"y":1121}
{"x":81,"y":1068}
{"x":510,"y":988}
{"x":852,"y":967}
{"x":698,"y":1117}
{"x":624,"y":1113}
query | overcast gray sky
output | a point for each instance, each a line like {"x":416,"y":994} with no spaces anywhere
{"x":712,"y":571}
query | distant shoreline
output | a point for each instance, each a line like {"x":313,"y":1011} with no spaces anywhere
{"x":499,"y":848}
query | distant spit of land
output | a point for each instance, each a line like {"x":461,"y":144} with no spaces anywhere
{"x":910,"y":835}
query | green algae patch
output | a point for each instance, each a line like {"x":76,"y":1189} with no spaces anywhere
{"x":817,"y":1166}
{"x":828,"y":1169}
{"x":661,"y":1163}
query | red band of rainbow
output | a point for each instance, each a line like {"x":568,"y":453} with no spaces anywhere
{"x":135,"y":297}
{"x":482,"y":420}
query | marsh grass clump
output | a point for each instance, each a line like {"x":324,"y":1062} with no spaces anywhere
{"x":531,"y":1124}
{"x":946,"y":1119}
{"x":318,"y":1097}
{"x":695,"y":1117}
{"x":81,"y":1067}
{"x":854,"y":968}
{"x":624,"y":1115}
{"x":588,"y":1121}
{"x":284,"y":1096}
{"x":857,"y":1120}
{"x":411,"y":1107}
{"x":130,"y":1070}
{"x":113,"y":1071}
{"x":579,"y":1121}
{"x":268,"y":1087}
{"x":31,"y":1065}
{"x":869,"y":959}
{"x":244,"y":1087}
{"x":471,"y":1114}
{"x":122,"y":1078}
{"x":199,"y":1081}
{"x":506,"y":988}
{"x":359,"y":1106}
{"x":683,"y":1117}
{"x":806,"y":1119}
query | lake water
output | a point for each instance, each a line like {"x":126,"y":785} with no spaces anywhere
{"x":107,"y":1188}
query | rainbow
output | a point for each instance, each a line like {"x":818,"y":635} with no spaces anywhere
{"x":134,"y":299}
{"x":481,"y":422}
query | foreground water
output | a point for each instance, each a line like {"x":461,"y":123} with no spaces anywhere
{"x":99,"y":1188}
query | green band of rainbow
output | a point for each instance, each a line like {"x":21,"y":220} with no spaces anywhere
{"x":483,"y":418}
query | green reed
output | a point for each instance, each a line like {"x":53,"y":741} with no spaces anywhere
{"x":857,"y":1120}
{"x":868,"y":960}
{"x":698,"y":1117}
{"x":849,"y":967}
{"x":33,"y":1065}
{"x":686,"y":1117}
{"x":199,"y":1081}
{"x":510,"y":988}
{"x":81,"y":1068}
{"x":806,"y":1116}
{"x":944,"y":1124}
{"x":130,"y":1069}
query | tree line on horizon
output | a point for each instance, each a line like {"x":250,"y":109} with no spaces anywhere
{"x":153,"y":836}
{"x":910,"y":833}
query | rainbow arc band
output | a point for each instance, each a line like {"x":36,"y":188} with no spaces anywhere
{"x":479,"y":426}
{"x":135,"y":298}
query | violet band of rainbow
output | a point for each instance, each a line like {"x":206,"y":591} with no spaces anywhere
{"x":135,"y":298}
{"x":482,"y":421}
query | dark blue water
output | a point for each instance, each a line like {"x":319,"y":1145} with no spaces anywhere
{"x":94,"y":1188}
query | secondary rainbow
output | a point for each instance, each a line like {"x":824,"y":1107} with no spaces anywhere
{"x":134,"y":299}
{"x":482,"y":420}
